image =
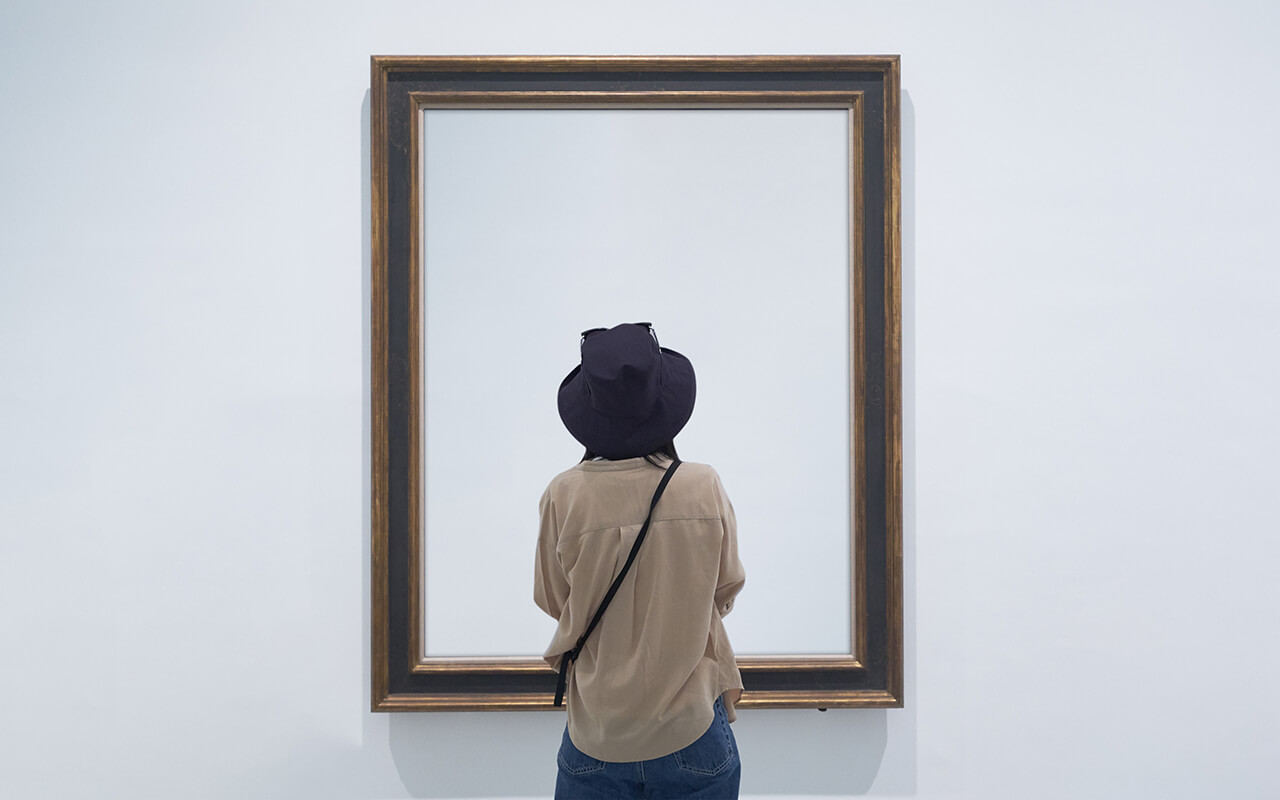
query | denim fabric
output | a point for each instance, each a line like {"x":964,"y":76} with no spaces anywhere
{"x":708,"y":769}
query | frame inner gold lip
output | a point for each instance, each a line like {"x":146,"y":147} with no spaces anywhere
{"x":674,"y":99}
{"x":692,"y":99}
{"x":498,"y":664}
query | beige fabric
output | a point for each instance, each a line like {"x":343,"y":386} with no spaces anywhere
{"x":644,"y":684}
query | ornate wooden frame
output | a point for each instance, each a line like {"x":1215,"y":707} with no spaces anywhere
{"x":868,"y":86}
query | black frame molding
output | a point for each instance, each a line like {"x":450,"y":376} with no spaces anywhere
{"x":868,"y":86}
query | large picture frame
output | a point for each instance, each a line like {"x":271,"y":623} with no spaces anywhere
{"x":404,"y":677}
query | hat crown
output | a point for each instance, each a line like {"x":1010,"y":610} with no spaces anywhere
{"x":622,"y":371}
{"x":628,"y":396}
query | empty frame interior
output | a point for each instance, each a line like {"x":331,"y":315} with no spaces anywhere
{"x":538,"y":223}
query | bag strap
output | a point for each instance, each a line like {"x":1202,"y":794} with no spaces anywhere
{"x":572,"y":655}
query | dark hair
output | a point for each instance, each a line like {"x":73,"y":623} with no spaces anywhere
{"x":667,"y":450}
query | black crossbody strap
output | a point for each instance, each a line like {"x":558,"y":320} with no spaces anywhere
{"x":572,"y":655}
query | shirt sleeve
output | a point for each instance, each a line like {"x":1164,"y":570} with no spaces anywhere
{"x":732,"y":576}
{"x":550,"y":584}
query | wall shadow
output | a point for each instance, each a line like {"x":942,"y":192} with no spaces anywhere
{"x":477,"y":754}
{"x":811,"y":752}
{"x":900,"y":774}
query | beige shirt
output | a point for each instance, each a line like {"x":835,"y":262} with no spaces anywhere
{"x":645,"y":682}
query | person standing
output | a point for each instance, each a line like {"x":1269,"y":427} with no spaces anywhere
{"x":651,"y":684}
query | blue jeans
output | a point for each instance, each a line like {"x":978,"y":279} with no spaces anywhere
{"x":707,"y":769}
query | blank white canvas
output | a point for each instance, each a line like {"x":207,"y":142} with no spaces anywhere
{"x":728,"y":229}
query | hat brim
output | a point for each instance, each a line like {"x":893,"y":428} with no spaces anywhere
{"x":629,"y":437}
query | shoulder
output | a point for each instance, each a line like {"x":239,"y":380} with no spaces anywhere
{"x":700,"y":489}
{"x":565,"y":481}
{"x":693,"y":472}
{"x":706,"y":493}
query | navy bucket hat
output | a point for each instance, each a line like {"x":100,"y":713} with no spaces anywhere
{"x":629,"y":396}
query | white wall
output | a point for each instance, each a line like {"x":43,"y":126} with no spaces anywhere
{"x":1091,"y":332}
